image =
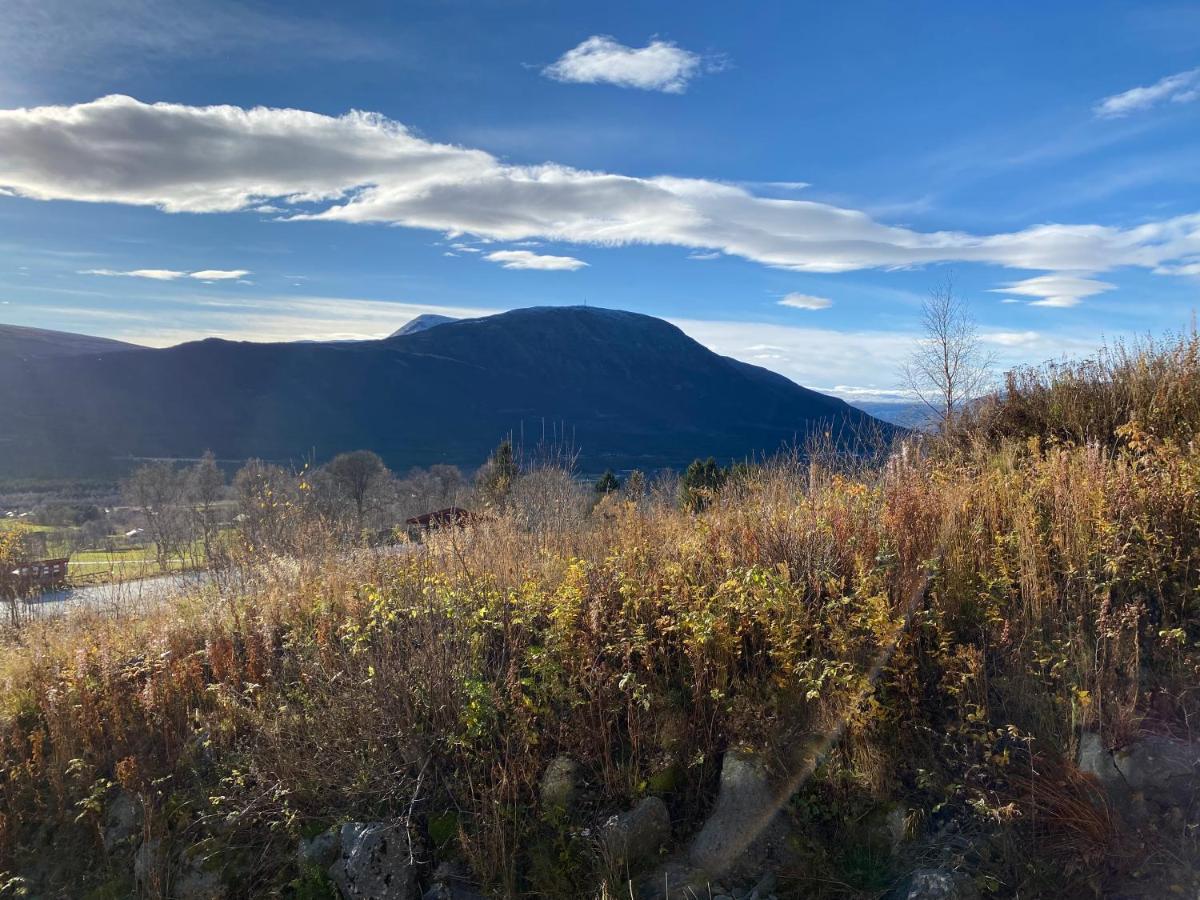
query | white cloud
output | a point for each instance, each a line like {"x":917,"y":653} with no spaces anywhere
{"x":659,"y":66}
{"x":362,"y":167}
{"x":1059,"y":290}
{"x":525,"y":259}
{"x":861,"y":364}
{"x":173,"y":274}
{"x":219,"y":274}
{"x":1010,"y":338}
{"x":1183,"y":87}
{"x":806,"y":301}
{"x":712,"y":254}
{"x":153,"y":274}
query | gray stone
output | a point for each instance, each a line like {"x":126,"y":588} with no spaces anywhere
{"x":1164,"y":769}
{"x":558,"y":785}
{"x":1159,"y":768}
{"x":320,"y":850}
{"x":122,"y":820}
{"x":744,"y":821}
{"x":374,"y":863}
{"x":938,"y":884}
{"x":636,"y":836}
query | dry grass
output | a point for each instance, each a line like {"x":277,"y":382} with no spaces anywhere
{"x":432,"y":686}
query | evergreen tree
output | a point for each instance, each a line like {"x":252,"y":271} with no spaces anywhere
{"x":497,"y":478}
{"x":701,"y":482}
{"x":608,"y":483}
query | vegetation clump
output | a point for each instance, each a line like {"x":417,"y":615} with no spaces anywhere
{"x":933,"y":635}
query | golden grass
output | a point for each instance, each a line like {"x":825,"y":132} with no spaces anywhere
{"x":318,"y":684}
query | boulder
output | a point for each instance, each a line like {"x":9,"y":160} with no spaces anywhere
{"x":744,"y":826}
{"x":374,"y":863}
{"x":1154,"y":767}
{"x":635,"y":837}
{"x":557,"y":789}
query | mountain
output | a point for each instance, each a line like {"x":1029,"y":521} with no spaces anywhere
{"x":422,"y":322}
{"x":631,"y":390}
{"x":905,"y":413}
{"x":23,"y":345}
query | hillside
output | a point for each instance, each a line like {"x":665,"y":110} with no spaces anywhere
{"x":24,"y":345}
{"x":630,"y":390}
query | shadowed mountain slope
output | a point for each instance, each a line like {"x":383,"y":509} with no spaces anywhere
{"x":631,"y":390}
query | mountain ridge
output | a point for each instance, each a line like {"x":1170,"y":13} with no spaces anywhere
{"x":633,"y":390}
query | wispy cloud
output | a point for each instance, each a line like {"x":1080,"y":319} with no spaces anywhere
{"x":862,"y":363}
{"x":806,"y":301}
{"x":1058,"y":290}
{"x":1183,"y":87}
{"x":362,"y":167}
{"x":659,"y":66}
{"x":172,"y":274}
{"x":175,"y":319}
{"x":1011,"y":338}
{"x":526,"y":259}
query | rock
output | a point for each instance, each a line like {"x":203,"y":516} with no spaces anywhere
{"x":636,"y":836}
{"x":744,"y":824}
{"x":122,"y":820}
{"x":1164,"y":769}
{"x":939,"y":884}
{"x":557,"y":790}
{"x":374,"y":863}
{"x":1158,"y":768}
{"x":320,"y":850}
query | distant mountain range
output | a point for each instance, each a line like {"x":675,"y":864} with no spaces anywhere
{"x":628,"y":390}
{"x":905,"y":413}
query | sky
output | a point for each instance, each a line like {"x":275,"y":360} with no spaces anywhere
{"x":786,"y":181}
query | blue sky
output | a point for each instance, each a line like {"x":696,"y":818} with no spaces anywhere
{"x":174,"y":170}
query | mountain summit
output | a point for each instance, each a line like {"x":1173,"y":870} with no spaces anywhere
{"x":630,"y":391}
{"x":421,"y":323}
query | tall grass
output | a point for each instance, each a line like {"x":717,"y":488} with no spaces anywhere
{"x":432,"y":686}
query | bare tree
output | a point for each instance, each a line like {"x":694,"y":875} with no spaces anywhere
{"x":950,"y":365}
{"x":156,"y":490}
{"x":205,"y":487}
{"x":361,"y":478}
